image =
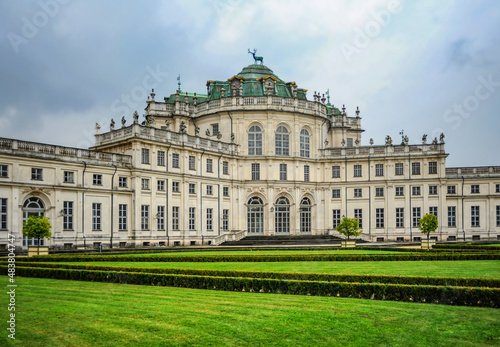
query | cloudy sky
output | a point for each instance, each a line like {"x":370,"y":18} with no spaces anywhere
{"x":424,"y":67}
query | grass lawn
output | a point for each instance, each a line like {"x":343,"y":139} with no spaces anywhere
{"x":466,"y":268}
{"x":68,"y":313}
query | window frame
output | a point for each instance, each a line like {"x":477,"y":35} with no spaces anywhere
{"x":282,"y":141}
{"x":145,"y":159}
{"x":283,"y":172}
{"x":68,"y":177}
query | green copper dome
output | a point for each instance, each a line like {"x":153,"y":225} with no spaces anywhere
{"x":255,"y":72}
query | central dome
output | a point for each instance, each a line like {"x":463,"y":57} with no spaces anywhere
{"x":256,"y":72}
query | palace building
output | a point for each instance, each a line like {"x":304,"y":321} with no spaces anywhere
{"x":253,"y":156}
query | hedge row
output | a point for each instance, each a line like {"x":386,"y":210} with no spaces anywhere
{"x":412,"y":280}
{"x":463,"y":296}
{"x":467,"y":247}
{"x":271,"y":257}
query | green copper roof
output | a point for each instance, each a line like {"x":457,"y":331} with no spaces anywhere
{"x":255,"y":72}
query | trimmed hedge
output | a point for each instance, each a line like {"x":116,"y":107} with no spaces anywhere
{"x":467,"y":247}
{"x":394,"y":279}
{"x":463,"y":296}
{"x":270,"y":257}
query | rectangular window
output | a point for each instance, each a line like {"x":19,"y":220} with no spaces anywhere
{"x":97,"y":180}
{"x":225,"y":191}
{"x":68,"y":215}
{"x":474,"y":215}
{"x":145,"y":184}
{"x":335,"y":193}
{"x":452,"y":189}
{"x":306,"y":173}
{"x":122,"y":217}
{"x":3,"y":214}
{"x":96,"y":216}
{"x":349,"y":142}
{"x":398,"y":169}
{"x":161,"y":218}
{"x":452,"y":216}
{"x":400,"y":217}
{"x":379,"y":191}
{"x":416,"y":216}
{"x":433,"y":210}
{"x":209,"y":190}
{"x":474,"y":188}
{"x":433,"y":190}
{"x":255,"y":172}
{"x":160,"y":185}
{"x":161,"y":158}
{"x":69,"y":177}
{"x":225,"y":168}
{"x":209,"y":165}
{"x":415,"y":168}
{"x":379,"y":170}
{"x":400,"y":191}
{"x":3,"y":171}
{"x":358,"y":214}
{"x":145,"y":156}
{"x":192,"y":188}
{"x":336,"y":218}
{"x":433,"y":167}
{"x":498,"y":216}
{"x":225,"y":219}
{"x":175,"y":160}
{"x":37,"y":174}
{"x":210,"y":219}
{"x":497,"y":188}
{"x":192,"y":218}
{"x":175,"y":187}
{"x":415,"y":190}
{"x":215,"y":129}
{"x":357,"y":170}
{"x":122,"y":182}
{"x":283,"y":175}
{"x":335,"y":171}
{"x":379,"y":218}
{"x":192,"y":162}
{"x":175,"y":217}
{"x":145,"y":217}
{"x":358,"y":192}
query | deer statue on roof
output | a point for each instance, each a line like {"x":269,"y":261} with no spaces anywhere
{"x":256,"y":59}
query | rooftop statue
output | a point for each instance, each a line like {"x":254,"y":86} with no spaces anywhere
{"x":256,"y":59}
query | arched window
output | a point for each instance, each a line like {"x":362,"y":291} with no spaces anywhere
{"x":282,"y":141}
{"x":282,"y":223}
{"x":255,"y":215}
{"x":305,"y":216}
{"x":255,"y":140}
{"x":33,"y":207}
{"x":304,"y":143}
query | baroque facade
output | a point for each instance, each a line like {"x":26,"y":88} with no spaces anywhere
{"x":253,"y":156}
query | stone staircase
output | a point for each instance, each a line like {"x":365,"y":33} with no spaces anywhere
{"x":288,"y":240}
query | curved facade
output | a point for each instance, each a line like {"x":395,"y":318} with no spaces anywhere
{"x":252,"y":156}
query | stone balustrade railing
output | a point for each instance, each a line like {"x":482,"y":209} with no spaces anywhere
{"x":468,"y":172}
{"x":382,"y":151}
{"x":45,"y":151}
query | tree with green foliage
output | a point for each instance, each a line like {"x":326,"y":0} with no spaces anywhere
{"x":428,"y":224}
{"x":37,"y":227}
{"x":349,"y":227}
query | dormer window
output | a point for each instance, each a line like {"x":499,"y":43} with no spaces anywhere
{"x":269,"y":87}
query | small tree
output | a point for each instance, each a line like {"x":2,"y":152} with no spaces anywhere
{"x":37,"y":227}
{"x":349,"y":227}
{"x":428,"y":224}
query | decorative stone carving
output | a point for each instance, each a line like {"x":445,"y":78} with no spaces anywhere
{"x":424,"y":139}
{"x":182,"y":128}
{"x":326,"y":143}
{"x":151,"y":121}
{"x":196,"y":130}
{"x":356,"y":142}
{"x":371,"y":142}
{"x":219,"y":135}
{"x":112,"y":125}
{"x":123,"y":121}
{"x":223,"y":91}
{"x":97,"y":128}
{"x":136,"y":117}
{"x":233,"y":137}
{"x":342,"y":142}
{"x":388,"y":141}
{"x":167,"y":124}
{"x":406,"y":140}
{"x":207,"y":132}
{"x":441,"y":138}
{"x":435,"y":141}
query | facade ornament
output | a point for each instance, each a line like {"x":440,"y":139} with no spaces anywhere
{"x":196,"y":130}
{"x":195,"y":99}
{"x":323,"y":99}
{"x":219,"y":135}
{"x":356,"y":142}
{"x":207,"y":132}
{"x":233,"y":137}
{"x":388,"y":141}
{"x":112,"y":125}
{"x":328,"y":95}
{"x":342,"y":142}
{"x":371,"y":141}
{"x":255,"y":58}
{"x":424,"y":139}
{"x":152,"y":94}
{"x":240,"y":89}
{"x":123,"y":121}
{"x":435,"y":141}
{"x":406,"y":140}
{"x":343,"y":110}
{"x":223,"y":91}
{"x":168,"y":123}
{"x":151,"y":121}
{"x":441,"y":138}
{"x":97,"y":128}
{"x":182,"y":128}
{"x":136,"y":117}
{"x":357,"y":111}
{"x":326,"y":143}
